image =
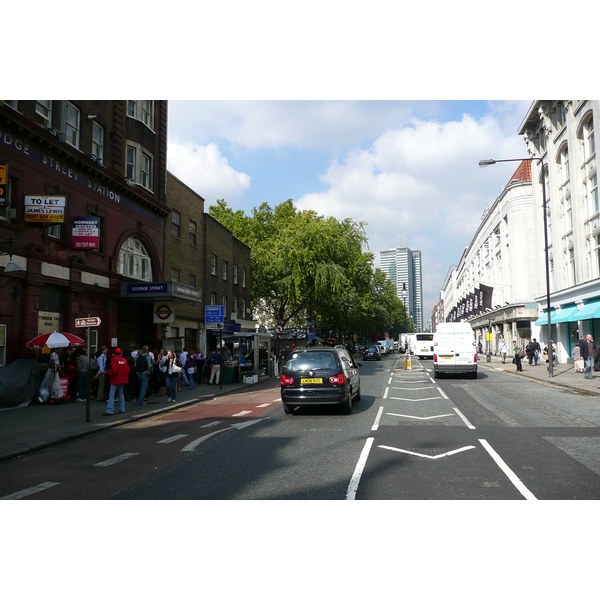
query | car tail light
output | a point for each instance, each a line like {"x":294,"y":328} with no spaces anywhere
{"x":435,"y":358}
{"x":339,"y":378}
{"x":286,"y":380}
{"x":474,"y":358}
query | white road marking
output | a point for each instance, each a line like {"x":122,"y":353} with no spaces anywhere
{"x":30,"y":490}
{"x":466,"y":421}
{"x":429,"y":387}
{"x":263,"y":405}
{"x":441,"y":391}
{"x":360,"y":465}
{"x":248,"y":423}
{"x":211,"y":424}
{"x":173,"y":438}
{"x":421,"y":418}
{"x":241,"y":414}
{"x":387,"y":389}
{"x":426,"y":455}
{"x":193,"y":445}
{"x":507,"y":471}
{"x":116,"y":459}
{"x":390,"y":380}
{"x":416,"y":399}
{"x":376,"y":423}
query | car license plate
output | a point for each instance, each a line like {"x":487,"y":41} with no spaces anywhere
{"x":317,"y":380}
{"x":446,"y":356}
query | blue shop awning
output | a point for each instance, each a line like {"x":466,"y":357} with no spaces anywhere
{"x":565,"y":315}
{"x":591,"y":310}
{"x":543,"y":320}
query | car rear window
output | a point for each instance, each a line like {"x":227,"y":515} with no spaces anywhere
{"x":303,"y":361}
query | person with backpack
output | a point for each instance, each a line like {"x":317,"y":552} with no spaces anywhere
{"x":118,"y":373}
{"x":530,"y":351}
{"x":143,"y":370}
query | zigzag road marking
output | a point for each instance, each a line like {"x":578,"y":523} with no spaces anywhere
{"x":425,"y":455}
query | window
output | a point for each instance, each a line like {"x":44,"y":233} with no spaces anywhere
{"x":141,"y":110}
{"x":53,"y":231}
{"x":73,"y":125}
{"x":589,"y":141}
{"x":243,"y":308}
{"x":224,"y":303}
{"x":134,"y":260}
{"x":235,"y":305}
{"x":175,"y":224}
{"x":192,"y":233}
{"x":235,"y":274}
{"x":138,"y":165}
{"x":176,"y":275}
{"x":225,"y":269}
{"x":97,"y":141}
{"x":213,"y":264}
{"x":243,"y":278}
{"x":43,"y":113}
{"x":192,"y":280}
{"x":567,"y":215}
{"x":563,"y":166}
{"x":570,"y":261}
{"x":597,"y":253}
{"x":213,"y":299}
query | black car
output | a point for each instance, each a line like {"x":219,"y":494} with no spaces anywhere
{"x":371,"y":353}
{"x":321,"y":375}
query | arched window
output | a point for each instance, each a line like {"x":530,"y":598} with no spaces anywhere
{"x":134,"y":260}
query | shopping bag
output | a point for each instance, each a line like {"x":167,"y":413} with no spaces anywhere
{"x":45,"y":391}
{"x":60,"y":388}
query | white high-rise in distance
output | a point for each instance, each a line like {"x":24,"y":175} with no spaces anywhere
{"x":403,"y":267}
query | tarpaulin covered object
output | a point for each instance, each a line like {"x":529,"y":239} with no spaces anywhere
{"x":19,"y":383}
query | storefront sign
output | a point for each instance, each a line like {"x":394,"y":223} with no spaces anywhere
{"x":3,"y":184}
{"x":45,"y":209}
{"x":86,"y":233}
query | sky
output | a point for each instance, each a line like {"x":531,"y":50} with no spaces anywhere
{"x":407,"y":169}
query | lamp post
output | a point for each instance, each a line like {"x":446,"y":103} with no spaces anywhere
{"x":486,"y":163}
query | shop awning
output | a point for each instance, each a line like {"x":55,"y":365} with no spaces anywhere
{"x":565,"y":315}
{"x":543,"y":320}
{"x":591,"y":310}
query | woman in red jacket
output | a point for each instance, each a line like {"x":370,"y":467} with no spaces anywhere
{"x":119,"y":376}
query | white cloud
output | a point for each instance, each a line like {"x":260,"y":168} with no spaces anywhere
{"x":420,"y":186}
{"x":207,"y":172}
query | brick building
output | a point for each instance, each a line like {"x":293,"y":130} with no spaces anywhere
{"x":202,"y":255}
{"x":82,"y":209}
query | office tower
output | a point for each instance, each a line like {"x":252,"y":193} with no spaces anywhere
{"x":403,"y":267}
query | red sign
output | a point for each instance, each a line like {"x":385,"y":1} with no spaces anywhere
{"x":86,"y":233}
{"x":88,"y":322}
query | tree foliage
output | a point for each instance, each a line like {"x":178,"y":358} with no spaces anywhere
{"x":308,"y":267}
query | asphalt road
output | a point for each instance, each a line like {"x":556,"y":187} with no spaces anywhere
{"x":410,"y":437}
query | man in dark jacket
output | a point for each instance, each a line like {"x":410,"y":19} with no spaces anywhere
{"x":588,"y":351}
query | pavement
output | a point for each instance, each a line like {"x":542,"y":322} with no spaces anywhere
{"x":37,"y":426}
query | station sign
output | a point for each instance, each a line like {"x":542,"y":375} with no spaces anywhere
{"x":164,"y":312}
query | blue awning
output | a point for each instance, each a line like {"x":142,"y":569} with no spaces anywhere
{"x":565,"y":315}
{"x":543,"y":320}
{"x":591,"y":310}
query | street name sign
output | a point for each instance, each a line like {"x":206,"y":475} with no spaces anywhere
{"x":214,"y":313}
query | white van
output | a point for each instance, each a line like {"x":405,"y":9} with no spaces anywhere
{"x":424,"y":345}
{"x":455,"y":349}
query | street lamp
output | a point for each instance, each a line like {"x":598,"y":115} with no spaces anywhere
{"x":486,"y":163}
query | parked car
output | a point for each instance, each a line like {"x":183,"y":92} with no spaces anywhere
{"x":383,"y":350}
{"x":320,"y":375}
{"x":371,"y":353}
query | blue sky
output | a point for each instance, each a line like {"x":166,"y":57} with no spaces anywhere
{"x":408,"y":169}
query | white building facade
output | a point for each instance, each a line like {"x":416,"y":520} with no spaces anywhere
{"x":508,"y":251}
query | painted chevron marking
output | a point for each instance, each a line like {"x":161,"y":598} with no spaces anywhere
{"x":416,"y":399}
{"x":420,"y":418}
{"x":450,"y":453}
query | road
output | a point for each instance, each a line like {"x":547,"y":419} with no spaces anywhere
{"x":410,"y":437}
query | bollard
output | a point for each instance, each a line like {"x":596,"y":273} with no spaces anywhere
{"x":407,"y":365}
{"x":488,"y":357}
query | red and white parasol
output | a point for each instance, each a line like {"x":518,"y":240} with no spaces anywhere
{"x":55,"y":340}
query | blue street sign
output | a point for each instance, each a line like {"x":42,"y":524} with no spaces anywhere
{"x":214,"y":313}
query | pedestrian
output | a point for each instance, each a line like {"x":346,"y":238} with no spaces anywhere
{"x":190,"y":369}
{"x":577,"y":360}
{"x":101,"y":361}
{"x":215,"y":372}
{"x":83,"y":375}
{"x":172,"y":371}
{"x":503,"y":350}
{"x":143,"y":370}
{"x":119,"y":376}
{"x":132,"y":387}
{"x":517,"y":359}
{"x":530,"y":351}
{"x":200,"y":360}
{"x":161,"y":359}
{"x":597,"y":359}
{"x":587,"y":347}
{"x":183,"y":359}
{"x":537,"y":350}
{"x":70,"y":369}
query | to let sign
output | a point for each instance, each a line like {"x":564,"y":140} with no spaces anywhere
{"x":88,"y":322}
{"x":45,"y":209}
